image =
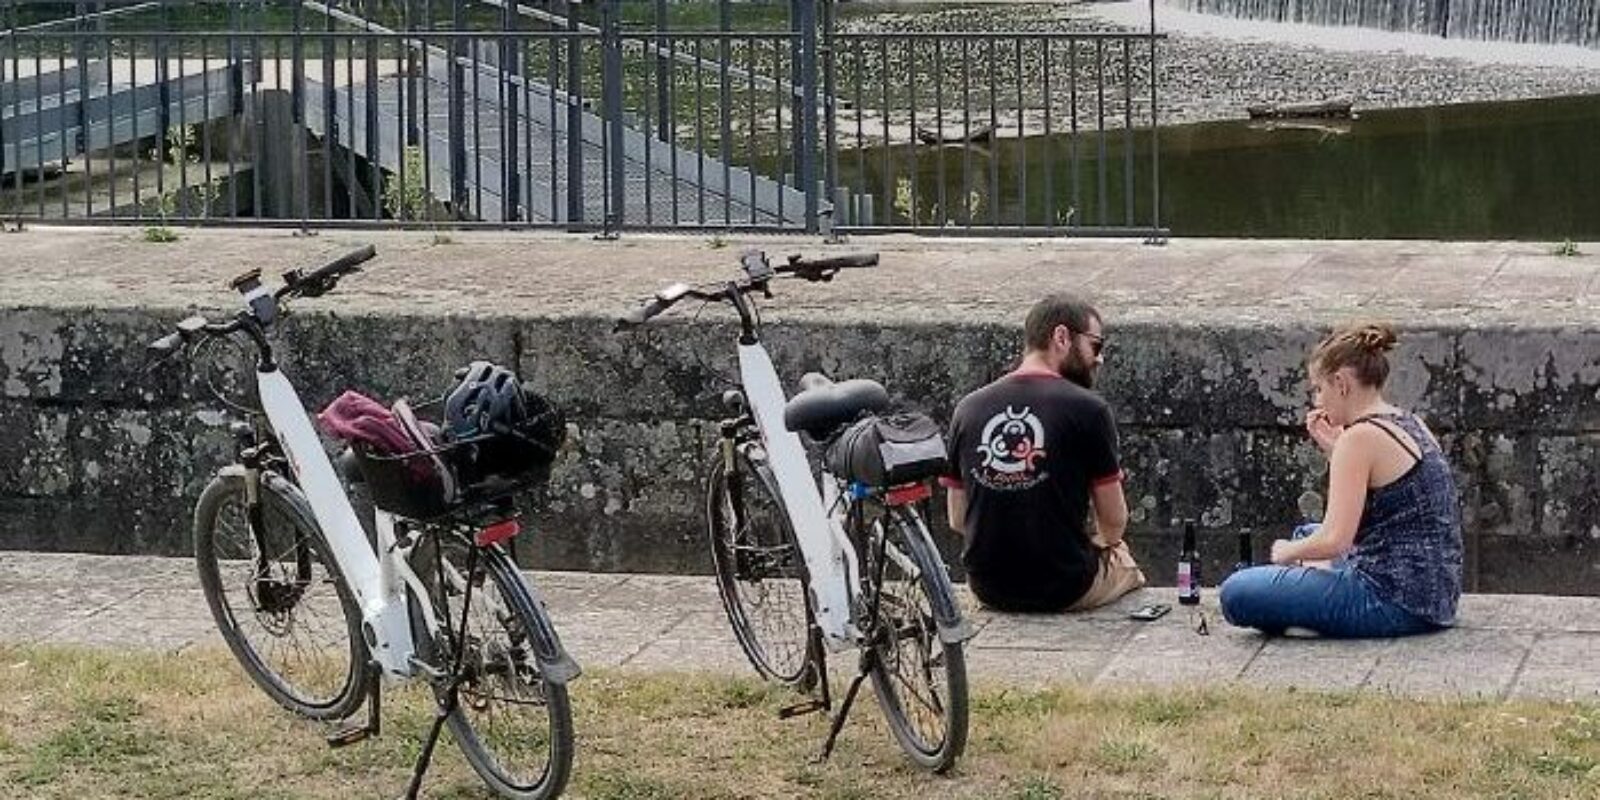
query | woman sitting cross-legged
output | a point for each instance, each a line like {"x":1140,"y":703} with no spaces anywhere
{"x":1392,"y":518}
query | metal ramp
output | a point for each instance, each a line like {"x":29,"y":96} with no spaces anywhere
{"x":61,"y":112}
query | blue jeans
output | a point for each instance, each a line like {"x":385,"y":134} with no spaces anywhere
{"x":1337,"y":603}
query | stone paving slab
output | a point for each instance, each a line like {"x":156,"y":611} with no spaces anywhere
{"x":1507,"y":646}
{"x":1203,"y":281}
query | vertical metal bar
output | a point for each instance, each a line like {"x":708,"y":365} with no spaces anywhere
{"x":575,"y":187}
{"x":427,"y":109}
{"x":724,"y":104}
{"x":911,"y":144}
{"x":207,"y":128}
{"x":861,"y":134}
{"x":943,"y":199}
{"x":672,"y":122}
{"x":778,"y":101}
{"x":652,"y":90}
{"x":616,"y":208}
{"x":511,"y":51}
{"x":994,"y":136}
{"x":236,"y":108}
{"x":84,"y":143}
{"x":808,"y":135}
{"x":258,"y":162}
{"x":1100,"y":132}
{"x":1022,"y":145}
{"x":302,"y":125}
{"x":1155,"y":129}
{"x":329,"y":48}
{"x":1049,"y":136}
{"x":1127,"y":126}
{"x":525,"y":71}
{"x":61,"y":127}
{"x":1072,"y":91}
{"x":664,"y":67}
{"x":830,"y":123}
{"x":455,"y":112}
{"x":164,"y":91}
{"x":966,"y":131}
{"x":352,"y":171}
{"x":553,"y":73}
{"x":699,"y":130}
{"x":888,"y":146}
{"x":751,"y":139}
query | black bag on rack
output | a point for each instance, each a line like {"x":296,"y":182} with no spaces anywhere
{"x":888,"y":450}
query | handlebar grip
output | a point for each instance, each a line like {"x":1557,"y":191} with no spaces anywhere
{"x":851,"y":261}
{"x":345,"y":263}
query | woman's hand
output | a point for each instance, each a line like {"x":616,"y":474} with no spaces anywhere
{"x":1323,"y":432}
{"x":1283,"y":552}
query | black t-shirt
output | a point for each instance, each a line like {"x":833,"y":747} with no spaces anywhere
{"x":1028,"y":449}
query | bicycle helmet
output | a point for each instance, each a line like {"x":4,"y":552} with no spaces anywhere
{"x":487,"y":398}
{"x":509,"y":431}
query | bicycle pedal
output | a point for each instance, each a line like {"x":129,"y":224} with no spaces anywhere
{"x":801,"y":709}
{"x":348,"y":736}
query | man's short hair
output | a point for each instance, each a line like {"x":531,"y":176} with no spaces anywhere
{"x":1060,"y":308}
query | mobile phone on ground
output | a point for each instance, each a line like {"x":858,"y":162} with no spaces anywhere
{"x":1150,"y":612}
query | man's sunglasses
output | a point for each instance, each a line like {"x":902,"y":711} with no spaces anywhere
{"x":1097,"y":344}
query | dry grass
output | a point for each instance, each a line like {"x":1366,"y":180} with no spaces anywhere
{"x":92,"y":724}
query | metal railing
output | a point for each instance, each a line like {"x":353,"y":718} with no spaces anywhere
{"x":603,"y":117}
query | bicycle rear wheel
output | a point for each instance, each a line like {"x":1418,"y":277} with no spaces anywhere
{"x":278,"y":597}
{"x":514,"y":727}
{"x":920,"y":680}
{"x":760,"y":572}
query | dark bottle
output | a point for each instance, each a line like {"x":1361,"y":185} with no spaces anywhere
{"x":1189,"y":568}
{"x":1247,"y":555}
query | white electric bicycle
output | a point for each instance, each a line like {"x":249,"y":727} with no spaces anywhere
{"x":804,"y":569}
{"x":316,"y":613}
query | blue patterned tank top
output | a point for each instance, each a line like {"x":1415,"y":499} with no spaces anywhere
{"x":1409,"y":541}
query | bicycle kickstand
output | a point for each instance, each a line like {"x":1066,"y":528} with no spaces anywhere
{"x":443,"y":711}
{"x":356,"y":733}
{"x":868,"y":657}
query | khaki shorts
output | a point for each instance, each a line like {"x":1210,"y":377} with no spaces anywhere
{"x":1118,"y":575}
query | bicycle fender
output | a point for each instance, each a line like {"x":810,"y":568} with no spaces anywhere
{"x":558,"y":667}
{"x":953,"y":627}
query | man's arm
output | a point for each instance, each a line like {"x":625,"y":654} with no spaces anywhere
{"x":955,"y":502}
{"x":1110,"y":511}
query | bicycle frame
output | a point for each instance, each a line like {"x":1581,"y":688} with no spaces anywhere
{"x":379,"y":584}
{"x":830,"y":559}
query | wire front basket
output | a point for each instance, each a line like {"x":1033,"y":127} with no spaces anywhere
{"x":456,"y":475}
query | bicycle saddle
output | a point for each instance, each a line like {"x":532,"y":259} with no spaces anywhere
{"x":822,"y":405}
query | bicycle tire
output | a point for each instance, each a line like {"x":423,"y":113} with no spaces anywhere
{"x":889,"y":680}
{"x":526,"y":614}
{"x":780,"y":652}
{"x":279,"y":604}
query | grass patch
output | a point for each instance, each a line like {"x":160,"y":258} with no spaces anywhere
{"x":1566,"y":249}
{"x":160,"y":235}
{"x":78,"y":723}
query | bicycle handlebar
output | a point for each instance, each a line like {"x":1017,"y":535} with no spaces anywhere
{"x":321,"y":280}
{"x":805,"y":268}
{"x":758,"y":271}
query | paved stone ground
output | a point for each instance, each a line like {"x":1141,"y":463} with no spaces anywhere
{"x":1507,"y":646}
{"x":1190,"y":281}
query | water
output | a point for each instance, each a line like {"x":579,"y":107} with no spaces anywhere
{"x":1514,"y":170}
{"x":1544,"y":21}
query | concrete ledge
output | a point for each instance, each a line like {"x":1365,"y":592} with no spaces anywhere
{"x":1500,"y":351}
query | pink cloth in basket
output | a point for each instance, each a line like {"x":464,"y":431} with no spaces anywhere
{"x":355,"y":417}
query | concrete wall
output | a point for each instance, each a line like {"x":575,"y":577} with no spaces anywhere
{"x":99,"y":455}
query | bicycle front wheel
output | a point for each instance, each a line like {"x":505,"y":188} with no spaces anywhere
{"x":514,"y":727}
{"x":920,"y":680}
{"x":760,"y":572}
{"x":278,"y":597}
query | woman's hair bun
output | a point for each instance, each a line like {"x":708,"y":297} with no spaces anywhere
{"x":1375,"y":338}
